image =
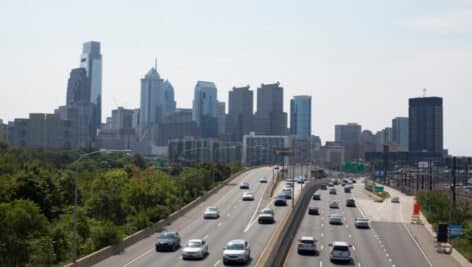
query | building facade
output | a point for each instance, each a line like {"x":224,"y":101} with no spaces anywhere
{"x":221,"y":114}
{"x":78,"y":87}
{"x":270,"y":118}
{"x":205,"y":108}
{"x":332,"y":155}
{"x":349,"y":136}
{"x":91,"y":61}
{"x":3,"y":131}
{"x":240,"y":119}
{"x":400,"y":131}
{"x":426,"y":124}
{"x":300,"y":116}
{"x":189,"y":150}
{"x":261,"y":149}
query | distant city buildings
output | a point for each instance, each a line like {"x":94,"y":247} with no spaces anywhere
{"x":221,"y":115}
{"x":205,"y":108}
{"x":300,"y":115}
{"x":270,"y":118}
{"x":426,"y":124}
{"x":332,"y":155}
{"x":3,"y":131}
{"x":190,"y":150}
{"x":91,"y":61}
{"x":400,"y":131}
{"x":349,"y":136}
{"x":240,"y":118}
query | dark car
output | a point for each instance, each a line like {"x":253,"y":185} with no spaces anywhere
{"x":336,"y":182}
{"x":313,"y":210}
{"x":347,"y":190}
{"x":324,"y":187}
{"x":280,"y":201}
{"x":350,"y":202}
{"x":317,"y":195}
{"x":168,"y":241}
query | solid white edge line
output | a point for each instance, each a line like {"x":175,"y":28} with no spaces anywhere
{"x":417,"y":245}
{"x":251,"y":222}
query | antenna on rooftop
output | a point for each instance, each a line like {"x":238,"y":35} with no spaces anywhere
{"x":155,"y":63}
{"x":424,"y":92}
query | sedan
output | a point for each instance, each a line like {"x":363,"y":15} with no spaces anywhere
{"x":306,"y":244}
{"x":263,"y":180}
{"x":169,"y":241}
{"x":335,"y":218}
{"x":313,"y":210}
{"x":396,"y":199}
{"x":244,"y":185}
{"x":332,"y":191}
{"x":195,"y":249}
{"x":237,"y":251}
{"x":248,"y":196}
{"x":340,"y":252}
{"x":317,"y":195}
{"x":361,"y":222}
{"x":333,"y":204}
{"x":211,"y":213}
{"x":280,"y":200}
{"x":350,"y":202}
{"x":266,"y":215}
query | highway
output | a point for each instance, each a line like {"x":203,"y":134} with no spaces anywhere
{"x":384,"y":244}
{"x":238,"y":220}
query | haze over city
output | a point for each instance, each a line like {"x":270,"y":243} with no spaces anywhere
{"x":360,"y":61}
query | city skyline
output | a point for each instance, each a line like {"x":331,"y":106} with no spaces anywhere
{"x":346,"y":81}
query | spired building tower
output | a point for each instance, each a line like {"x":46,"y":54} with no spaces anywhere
{"x":270,"y":118}
{"x":426,"y":124}
{"x":78,"y":87}
{"x":205,"y":108}
{"x":300,"y":115}
{"x":91,"y":61}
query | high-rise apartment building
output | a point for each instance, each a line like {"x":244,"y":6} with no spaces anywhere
{"x":270,"y":118}
{"x":426,"y":124}
{"x":157,"y":99}
{"x":221,"y":114}
{"x":349,"y":135}
{"x":300,"y":115}
{"x":78,"y":87}
{"x":400,"y":131}
{"x":205,"y":108}
{"x":91,"y":61}
{"x":240,"y":119}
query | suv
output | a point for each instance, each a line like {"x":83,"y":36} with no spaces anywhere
{"x":244,"y":185}
{"x":313,"y":210}
{"x":169,"y":241}
{"x":332,"y":191}
{"x":323,"y":187}
{"x":340,"y":251}
{"x":236,"y":251}
{"x":306,"y":244}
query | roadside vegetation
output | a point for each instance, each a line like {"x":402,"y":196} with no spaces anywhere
{"x":118,"y":195}
{"x":382,"y":196}
{"x":435,"y":207}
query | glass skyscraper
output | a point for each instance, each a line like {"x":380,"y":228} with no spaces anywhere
{"x":205,"y":108}
{"x":91,"y":61}
{"x":300,"y":115}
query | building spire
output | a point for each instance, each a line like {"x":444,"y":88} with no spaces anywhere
{"x":155,"y":63}
{"x":424,"y":92}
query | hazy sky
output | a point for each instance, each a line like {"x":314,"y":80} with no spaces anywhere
{"x":360,"y":60}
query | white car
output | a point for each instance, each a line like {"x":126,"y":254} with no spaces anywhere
{"x":211,"y":213}
{"x":236,"y":251}
{"x":244,"y":185}
{"x":195,"y":249}
{"x":306,"y":244}
{"x":335,"y":218}
{"x":361,"y":222}
{"x":263,"y":179}
{"x":396,"y":199}
{"x":248,"y":196}
{"x":266,"y":215}
{"x":340,"y":251}
{"x":333,"y":204}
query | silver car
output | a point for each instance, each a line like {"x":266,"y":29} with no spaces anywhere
{"x":340,"y":251}
{"x":306,"y":244}
{"x":211,"y":213}
{"x":248,"y":196}
{"x":195,"y":249}
{"x":236,"y":251}
{"x":335,"y":218}
{"x":361,"y":222}
{"x":333,"y":204}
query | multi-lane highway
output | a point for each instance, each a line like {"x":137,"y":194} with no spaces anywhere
{"x":238,"y":221}
{"x":384,"y":244}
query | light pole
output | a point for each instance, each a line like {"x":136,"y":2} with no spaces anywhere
{"x":76,"y":185}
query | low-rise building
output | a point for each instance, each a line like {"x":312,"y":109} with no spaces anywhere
{"x":191,"y":149}
{"x":262,"y":149}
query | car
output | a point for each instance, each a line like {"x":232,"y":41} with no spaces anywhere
{"x":266,"y":215}
{"x":333,"y":204}
{"x":323,"y":187}
{"x":396,"y":199}
{"x":354,"y":181}
{"x":280,"y":200}
{"x":317,"y":195}
{"x":287,"y":193}
{"x":168,"y":241}
{"x":195,"y":249}
{"x":288,"y":185}
{"x":335,"y":218}
{"x":306,"y":244}
{"x":332,"y":191}
{"x":248,"y":196}
{"x":361,"y":222}
{"x":276,"y":167}
{"x":211,"y":213}
{"x":340,"y":251}
{"x":330,"y":184}
{"x":300,"y":180}
{"x":313,"y":210}
{"x":347,"y":189}
{"x":350,"y":202}
{"x":236,"y":251}
{"x":244,"y":185}
{"x":263,"y":180}
{"x":336,"y":182}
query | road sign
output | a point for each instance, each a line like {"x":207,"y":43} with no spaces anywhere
{"x":456,"y":230}
{"x":378,"y":189}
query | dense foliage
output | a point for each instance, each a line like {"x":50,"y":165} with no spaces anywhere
{"x":118,"y":195}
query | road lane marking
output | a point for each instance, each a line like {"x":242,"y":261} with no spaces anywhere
{"x":353,"y":248}
{"x":322,"y":234}
{"x":138,"y":257}
{"x":219,"y":224}
{"x":205,"y":237}
{"x":321,"y":263}
{"x":350,"y":236}
{"x":216,"y":263}
{"x":252,"y":220}
{"x":321,"y":247}
{"x":417,"y":245}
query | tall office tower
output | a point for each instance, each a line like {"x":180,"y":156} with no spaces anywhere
{"x":221,"y":114}
{"x":349,"y":135}
{"x":426,"y":124}
{"x":78,"y":87}
{"x":157,"y":99}
{"x":204,"y":110}
{"x":400,"y":131}
{"x":300,"y":115}
{"x":240,"y":119}
{"x":91,"y":61}
{"x":270,"y":118}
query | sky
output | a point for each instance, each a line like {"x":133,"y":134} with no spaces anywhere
{"x":359,"y":60}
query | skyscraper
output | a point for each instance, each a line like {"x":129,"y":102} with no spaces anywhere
{"x":400,"y":131}
{"x":270,"y":118}
{"x":204,"y":110}
{"x":426,"y":124}
{"x":349,"y":135}
{"x":240,"y":119}
{"x":78,"y":87}
{"x":221,"y":114}
{"x":300,"y":115}
{"x":91,"y":61}
{"x":157,"y":99}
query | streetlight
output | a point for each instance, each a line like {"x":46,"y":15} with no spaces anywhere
{"x":76,"y":182}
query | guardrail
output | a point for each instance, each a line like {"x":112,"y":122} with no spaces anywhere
{"x":282,"y":238}
{"x":109,"y":251}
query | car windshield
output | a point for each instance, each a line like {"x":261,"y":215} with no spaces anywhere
{"x":166,"y":236}
{"x":212,"y":209}
{"x":307,"y":241}
{"x":235,"y":247}
{"x":194,"y":244}
{"x":267,"y":211}
{"x":341,"y":248}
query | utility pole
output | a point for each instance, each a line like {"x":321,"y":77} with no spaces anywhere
{"x":430,"y":175}
{"x":454,"y":166}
